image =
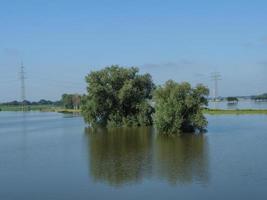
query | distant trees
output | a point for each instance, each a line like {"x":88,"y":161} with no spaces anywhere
{"x":31,"y":103}
{"x":71,"y":101}
{"x":66,"y":100}
{"x":179,"y":107}
{"x":262,"y":97}
{"x":45,"y":102}
{"x":232,"y":100}
{"x":118,"y":96}
{"x":12,"y":103}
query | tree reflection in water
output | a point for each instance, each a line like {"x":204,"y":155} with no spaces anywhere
{"x":121,"y":156}
{"x":182,"y":159}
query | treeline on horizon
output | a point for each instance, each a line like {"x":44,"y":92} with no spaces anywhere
{"x":32,"y":103}
{"x":262,"y":97}
{"x":67,"y":100}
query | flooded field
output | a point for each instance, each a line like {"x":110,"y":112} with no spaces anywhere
{"x":54,"y":156}
{"x":242,"y":104}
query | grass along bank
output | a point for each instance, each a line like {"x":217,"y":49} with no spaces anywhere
{"x":206,"y":111}
{"x":47,"y":108}
{"x":28,"y":108}
{"x":235,"y":112}
{"x":41,"y":108}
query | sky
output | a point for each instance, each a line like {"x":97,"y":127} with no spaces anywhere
{"x":61,"y":41}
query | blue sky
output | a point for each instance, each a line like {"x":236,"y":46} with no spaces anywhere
{"x":61,"y":41}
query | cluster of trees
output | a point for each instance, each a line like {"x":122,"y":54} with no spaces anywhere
{"x":262,"y":97}
{"x":32,"y":103}
{"x":232,"y":99}
{"x":71,"y":101}
{"x":120,"y":96}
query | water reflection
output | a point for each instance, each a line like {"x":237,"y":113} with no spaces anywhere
{"x":182,"y":159}
{"x":120,"y":156}
{"x":242,"y":104}
{"x":126,"y":156}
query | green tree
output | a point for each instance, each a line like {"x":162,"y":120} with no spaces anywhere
{"x":67,"y":101}
{"x":71,"y":101}
{"x":76,"y":101}
{"x":232,"y":99}
{"x":179,"y":107}
{"x":118,"y":96}
{"x":262,"y":97}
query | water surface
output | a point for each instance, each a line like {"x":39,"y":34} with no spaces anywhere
{"x":242,"y":104}
{"x":54,"y":156}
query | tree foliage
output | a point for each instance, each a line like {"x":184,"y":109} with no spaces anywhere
{"x":118,"y":96}
{"x":71,"y":101}
{"x":179,"y":107}
{"x":262,"y":97}
{"x":232,"y":99}
{"x":31,"y":103}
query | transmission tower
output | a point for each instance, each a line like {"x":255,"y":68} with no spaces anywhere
{"x":22,"y":87}
{"x":215,"y":77}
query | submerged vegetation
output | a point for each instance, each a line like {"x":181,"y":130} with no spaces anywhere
{"x":179,"y":107}
{"x":232,"y":100}
{"x":120,"y":97}
{"x":262,"y":97}
{"x":117,"y":97}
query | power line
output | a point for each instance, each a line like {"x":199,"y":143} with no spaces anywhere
{"x":216,"y":76}
{"x":22,"y":86}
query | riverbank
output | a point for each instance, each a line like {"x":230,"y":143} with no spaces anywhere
{"x":41,"y":108}
{"x":68,"y":111}
{"x":46,"y":108}
{"x":17,"y":108}
{"x":235,"y":112}
{"x":206,"y":111}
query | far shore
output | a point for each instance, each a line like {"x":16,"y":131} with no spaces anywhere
{"x":206,"y":111}
{"x":235,"y":112}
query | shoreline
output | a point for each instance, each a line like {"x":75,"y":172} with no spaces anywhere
{"x":205,"y":111}
{"x":235,"y":112}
